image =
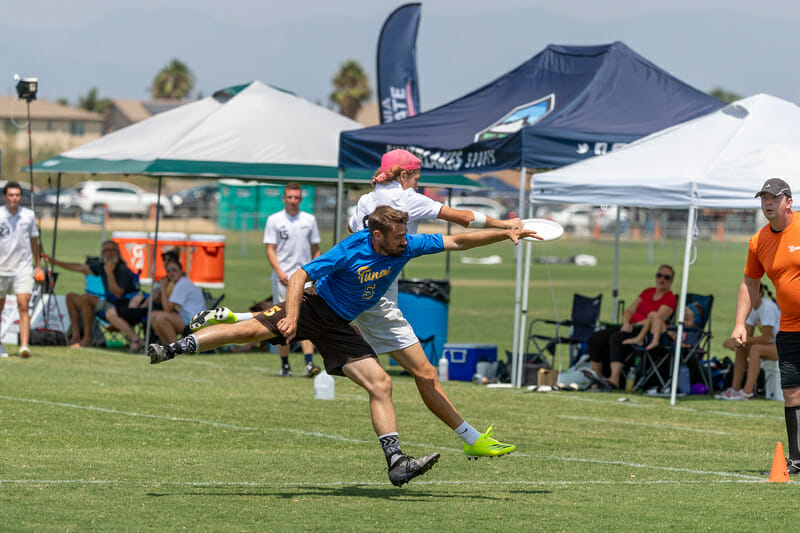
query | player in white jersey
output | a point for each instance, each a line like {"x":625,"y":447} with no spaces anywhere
{"x":383,"y":325}
{"x":292,"y":240}
{"x":19,"y":252}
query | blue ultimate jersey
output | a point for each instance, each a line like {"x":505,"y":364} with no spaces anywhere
{"x":351,"y":277}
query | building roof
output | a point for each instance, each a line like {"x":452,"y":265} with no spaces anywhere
{"x":13,"y":107}
{"x":137,"y":110}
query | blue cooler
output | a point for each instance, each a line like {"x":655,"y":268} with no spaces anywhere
{"x":425,"y":303}
{"x":463,"y":358}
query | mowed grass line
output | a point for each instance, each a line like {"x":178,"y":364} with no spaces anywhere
{"x":105,"y":441}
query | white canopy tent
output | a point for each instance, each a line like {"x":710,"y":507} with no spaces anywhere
{"x":716,"y":161}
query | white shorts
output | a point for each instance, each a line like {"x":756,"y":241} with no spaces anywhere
{"x":278,"y":291}
{"x":20,"y":283}
{"x":383,"y":325}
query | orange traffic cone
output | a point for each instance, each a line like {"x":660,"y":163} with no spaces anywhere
{"x":779,"y":473}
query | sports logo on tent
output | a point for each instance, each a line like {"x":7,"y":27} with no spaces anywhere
{"x":520,"y":117}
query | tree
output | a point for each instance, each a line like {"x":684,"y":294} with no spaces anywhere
{"x":725,"y":96}
{"x":175,"y":81}
{"x":91,"y":102}
{"x":351,"y":88}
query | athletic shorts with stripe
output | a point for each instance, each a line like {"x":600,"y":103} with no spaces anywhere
{"x":338,"y":342}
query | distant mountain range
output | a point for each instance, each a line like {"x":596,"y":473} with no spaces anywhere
{"x":121,"y":52}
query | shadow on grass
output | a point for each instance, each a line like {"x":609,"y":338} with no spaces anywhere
{"x":385,"y":492}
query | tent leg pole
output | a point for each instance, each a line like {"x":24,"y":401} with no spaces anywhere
{"x":337,"y":232}
{"x":676,"y":363}
{"x":524,"y":314}
{"x":153,"y":260}
{"x":516,"y":348}
{"x":615,"y":290}
{"x":55,"y":222}
{"x":449,"y":232}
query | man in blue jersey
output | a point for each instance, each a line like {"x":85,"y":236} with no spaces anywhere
{"x":350,"y":278}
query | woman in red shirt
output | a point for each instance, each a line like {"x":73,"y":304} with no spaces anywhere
{"x":606,"y":346}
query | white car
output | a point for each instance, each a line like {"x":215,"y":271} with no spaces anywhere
{"x":122,"y":198}
{"x":581,"y":218}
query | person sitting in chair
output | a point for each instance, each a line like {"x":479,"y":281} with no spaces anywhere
{"x":182,"y":302}
{"x":766,"y":315}
{"x":606,"y":346}
{"x":655,"y":325}
{"x":118,"y":280}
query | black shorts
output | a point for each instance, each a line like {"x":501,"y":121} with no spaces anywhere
{"x":338,"y":342}
{"x":788,"y":345}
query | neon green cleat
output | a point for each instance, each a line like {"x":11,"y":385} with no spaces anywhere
{"x":486,"y":446}
{"x":211,"y":317}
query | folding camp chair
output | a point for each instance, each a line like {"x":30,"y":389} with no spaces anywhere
{"x":655,"y":368}
{"x":545,"y":334}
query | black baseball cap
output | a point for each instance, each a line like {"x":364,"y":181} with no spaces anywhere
{"x":775,"y":186}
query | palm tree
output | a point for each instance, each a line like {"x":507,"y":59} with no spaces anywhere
{"x":91,"y":102}
{"x":175,"y":81}
{"x":351,"y":88}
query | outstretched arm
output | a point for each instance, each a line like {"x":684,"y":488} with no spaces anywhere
{"x":294,"y":295}
{"x":473,"y":239}
{"x":83,"y":268}
{"x":465,"y":217}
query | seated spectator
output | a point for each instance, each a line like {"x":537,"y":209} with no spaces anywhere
{"x":181,"y":303}
{"x":692,"y":317}
{"x":766,"y":315}
{"x":606,"y":348}
{"x":118,"y":281}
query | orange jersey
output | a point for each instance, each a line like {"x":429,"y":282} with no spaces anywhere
{"x":778,"y":255}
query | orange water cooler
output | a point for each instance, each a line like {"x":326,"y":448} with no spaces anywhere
{"x":134,"y":249}
{"x":168,"y":241}
{"x":207,"y":260}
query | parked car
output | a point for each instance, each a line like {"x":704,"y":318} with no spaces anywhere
{"x":582,"y":218}
{"x":122,"y":198}
{"x":201,"y":200}
{"x":45,"y":201}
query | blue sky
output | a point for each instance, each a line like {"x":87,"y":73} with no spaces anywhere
{"x":743,"y":46}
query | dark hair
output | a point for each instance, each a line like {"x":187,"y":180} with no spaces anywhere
{"x":11,"y":185}
{"x":670,"y":269}
{"x":384,"y":217}
{"x":112,"y":243}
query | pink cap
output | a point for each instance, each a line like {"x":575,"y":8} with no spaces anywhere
{"x":405,"y":159}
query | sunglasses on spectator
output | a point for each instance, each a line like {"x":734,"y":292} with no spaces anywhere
{"x":663,"y":276}
{"x":173,"y":269}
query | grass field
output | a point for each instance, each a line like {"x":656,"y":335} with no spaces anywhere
{"x":101,"y":440}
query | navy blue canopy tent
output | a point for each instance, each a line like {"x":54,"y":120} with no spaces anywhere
{"x":565,"y":104}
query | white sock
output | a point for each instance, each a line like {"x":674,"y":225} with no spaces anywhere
{"x":243,"y":316}
{"x":467,"y":433}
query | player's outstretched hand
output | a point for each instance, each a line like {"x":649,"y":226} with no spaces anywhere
{"x":515,"y":234}
{"x":288,"y":329}
{"x":512,"y":223}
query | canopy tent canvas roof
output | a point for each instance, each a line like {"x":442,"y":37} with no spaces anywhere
{"x":250,"y":131}
{"x":565,"y":104}
{"x":716,"y":161}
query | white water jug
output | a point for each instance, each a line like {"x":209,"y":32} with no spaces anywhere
{"x":324,"y":386}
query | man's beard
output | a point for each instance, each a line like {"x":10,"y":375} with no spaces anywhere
{"x":394,"y":253}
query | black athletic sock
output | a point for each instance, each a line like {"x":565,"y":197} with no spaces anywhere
{"x":285,"y":360}
{"x":187,"y":344}
{"x":792,"y":423}
{"x":390,"y":442}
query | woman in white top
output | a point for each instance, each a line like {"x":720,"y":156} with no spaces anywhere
{"x":181,"y":304}
{"x":383,"y":325}
{"x":767,"y":316}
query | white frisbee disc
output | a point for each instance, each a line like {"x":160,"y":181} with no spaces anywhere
{"x":546,"y":229}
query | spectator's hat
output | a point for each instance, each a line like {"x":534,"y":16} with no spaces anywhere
{"x":402,"y":158}
{"x":775,"y":186}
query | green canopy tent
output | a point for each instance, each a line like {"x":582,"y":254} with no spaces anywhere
{"x":251,"y":131}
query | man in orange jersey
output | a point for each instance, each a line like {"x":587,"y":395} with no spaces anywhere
{"x":775,"y":251}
